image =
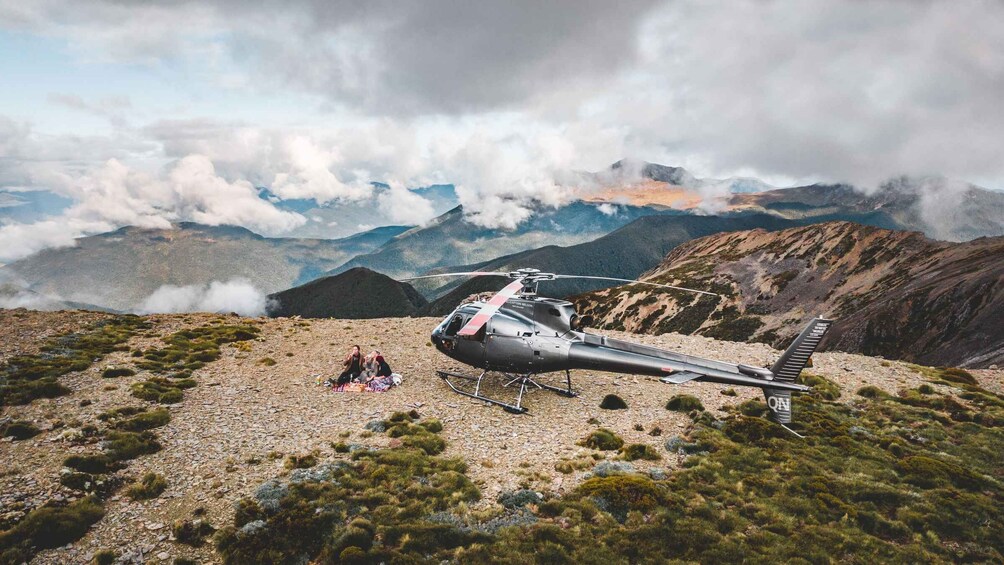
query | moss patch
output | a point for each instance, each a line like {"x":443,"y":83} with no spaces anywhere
{"x":189,"y":350}
{"x":883,"y":480}
{"x":684,"y":403}
{"x":162,"y":390}
{"x":151,"y":485}
{"x":48,"y":527}
{"x":19,"y":430}
{"x":635,"y":451}
{"x":26,"y":377}
{"x":613,"y":402}
{"x":603,"y":440}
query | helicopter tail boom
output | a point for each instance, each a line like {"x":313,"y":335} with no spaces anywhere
{"x":605,"y":354}
{"x":789,"y":366}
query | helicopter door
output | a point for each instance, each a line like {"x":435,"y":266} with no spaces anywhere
{"x":506,"y":347}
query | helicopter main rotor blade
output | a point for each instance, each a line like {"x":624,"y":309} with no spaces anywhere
{"x":489,"y":309}
{"x":635,"y":282}
{"x":470,"y":274}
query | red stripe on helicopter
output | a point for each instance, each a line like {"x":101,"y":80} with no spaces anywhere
{"x":489,"y":309}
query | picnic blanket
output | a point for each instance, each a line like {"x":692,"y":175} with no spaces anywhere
{"x":377,"y":384}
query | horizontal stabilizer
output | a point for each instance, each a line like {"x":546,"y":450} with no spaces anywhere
{"x":680,"y":377}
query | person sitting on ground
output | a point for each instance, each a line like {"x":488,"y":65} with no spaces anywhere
{"x":383,"y":369}
{"x":370,"y":366}
{"x":352,"y":366}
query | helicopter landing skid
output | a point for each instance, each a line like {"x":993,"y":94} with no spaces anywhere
{"x":524,"y":382}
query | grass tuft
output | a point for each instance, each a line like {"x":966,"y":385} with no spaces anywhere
{"x":613,"y":402}
{"x":19,"y":430}
{"x":151,"y":485}
{"x":684,"y":403}
{"x":48,"y":527}
{"x":602,"y":439}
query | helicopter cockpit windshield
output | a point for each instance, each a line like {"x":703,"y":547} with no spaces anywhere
{"x":454,"y":326}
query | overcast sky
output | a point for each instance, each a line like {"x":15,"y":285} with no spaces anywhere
{"x":147,"y":113}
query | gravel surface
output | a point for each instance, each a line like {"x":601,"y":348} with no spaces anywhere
{"x":233,"y":431}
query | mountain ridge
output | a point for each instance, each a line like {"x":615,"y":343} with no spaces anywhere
{"x":893,"y":293}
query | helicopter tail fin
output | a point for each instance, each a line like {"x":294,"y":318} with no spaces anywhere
{"x":790,"y":366}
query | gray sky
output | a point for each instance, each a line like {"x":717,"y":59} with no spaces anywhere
{"x":152,"y":112}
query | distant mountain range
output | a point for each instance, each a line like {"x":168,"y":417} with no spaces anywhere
{"x":893,"y":293}
{"x":451,"y":240}
{"x":356,"y":293}
{"x":624,"y":253}
{"x":628,"y":217}
{"x":119,"y":269}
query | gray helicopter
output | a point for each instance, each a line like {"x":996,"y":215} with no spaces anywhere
{"x":522,"y":335}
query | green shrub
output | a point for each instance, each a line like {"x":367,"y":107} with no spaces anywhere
{"x":113,"y":372}
{"x":871,"y":392}
{"x":748,"y":429}
{"x":104,"y":557}
{"x":192,"y":532}
{"x":613,"y":402}
{"x":684,"y":403}
{"x":301,"y":461}
{"x":151,"y":485}
{"x":821,"y":386}
{"x":602,"y":439}
{"x":925,"y":389}
{"x":190,"y":349}
{"x":140,"y":419}
{"x":634,"y":451}
{"x":427,"y":442}
{"x":433,"y":425}
{"x":100,"y":463}
{"x":123,"y":446}
{"x":955,"y":375}
{"x":48,"y":527}
{"x":621,"y":493}
{"x":161,"y":390}
{"x":19,"y":430}
{"x":27,"y":377}
{"x":929,"y":472}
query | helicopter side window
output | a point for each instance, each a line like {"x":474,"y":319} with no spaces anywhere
{"x":554,"y":312}
{"x":454,"y":326}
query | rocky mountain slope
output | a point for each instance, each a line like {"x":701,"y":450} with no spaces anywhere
{"x":119,"y":269}
{"x":895,"y":294}
{"x":624,"y":253}
{"x":357,"y":293}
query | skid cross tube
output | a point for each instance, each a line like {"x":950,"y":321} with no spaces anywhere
{"x":524,"y":381}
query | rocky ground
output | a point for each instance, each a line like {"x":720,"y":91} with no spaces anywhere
{"x":233,"y":431}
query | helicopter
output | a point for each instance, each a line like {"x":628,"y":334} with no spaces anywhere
{"x":522,"y":335}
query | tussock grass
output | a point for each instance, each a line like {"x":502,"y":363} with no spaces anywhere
{"x":19,"y":430}
{"x":602,"y":439}
{"x":26,"y":377}
{"x":151,"y":485}
{"x":684,"y":403}
{"x":904,"y":478}
{"x":48,"y":527}
{"x":189,"y":350}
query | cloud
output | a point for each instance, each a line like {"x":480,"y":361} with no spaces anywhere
{"x":504,"y":98}
{"x":114,"y":195}
{"x":403,"y":206}
{"x":236,"y":295}
{"x":112,"y":108}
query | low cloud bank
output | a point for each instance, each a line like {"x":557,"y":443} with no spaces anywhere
{"x":236,"y":295}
